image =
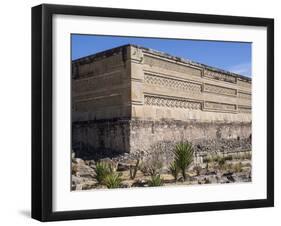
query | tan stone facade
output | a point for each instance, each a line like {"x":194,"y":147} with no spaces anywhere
{"x":144,"y":87}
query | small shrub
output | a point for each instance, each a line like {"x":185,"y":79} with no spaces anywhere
{"x":134,"y":169}
{"x":248,"y":164}
{"x":228,"y":158}
{"x":215,"y":158}
{"x":247,"y":155}
{"x":74,"y":169}
{"x":207,"y":181}
{"x":174,"y":169}
{"x":152,"y":165}
{"x":207,"y":166}
{"x":207,"y":159}
{"x":102,"y":170}
{"x":183,"y":157}
{"x":221,"y":161}
{"x":113,"y":180}
{"x":227,"y":167}
{"x":197,"y":169}
{"x":155,"y":181}
{"x":238,"y":167}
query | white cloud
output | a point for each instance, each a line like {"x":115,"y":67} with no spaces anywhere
{"x":242,"y":69}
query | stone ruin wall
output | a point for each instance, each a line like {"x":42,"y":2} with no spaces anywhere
{"x":101,"y":102}
{"x":129,"y":98}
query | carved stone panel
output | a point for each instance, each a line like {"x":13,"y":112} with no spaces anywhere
{"x":171,"y":102}
{"x":219,"y":90}
{"x":208,"y":105}
{"x":244,"y":109}
{"x":172,"y":83}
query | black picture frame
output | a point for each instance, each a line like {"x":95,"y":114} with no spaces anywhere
{"x":42,"y":111}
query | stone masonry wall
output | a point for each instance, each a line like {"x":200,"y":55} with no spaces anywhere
{"x":101,"y":138}
{"x":109,"y":138}
{"x":101,"y":86}
{"x":168,"y":87}
{"x":130,"y":98}
{"x":146,"y":134}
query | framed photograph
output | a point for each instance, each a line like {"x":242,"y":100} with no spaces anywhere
{"x":145,"y":112}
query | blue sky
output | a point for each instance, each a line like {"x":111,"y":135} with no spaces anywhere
{"x":231,"y":56}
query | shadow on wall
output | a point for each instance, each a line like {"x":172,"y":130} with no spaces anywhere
{"x":88,"y":152}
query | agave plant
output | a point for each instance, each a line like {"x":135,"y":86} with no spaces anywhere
{"x":113,"y":180}
{"x":155,"y":181}
{"x":102,"y":170}
{"x":174,"y":169}
{"x":183,"y":157}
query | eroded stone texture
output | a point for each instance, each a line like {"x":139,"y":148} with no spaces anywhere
{"x":128,"y":99}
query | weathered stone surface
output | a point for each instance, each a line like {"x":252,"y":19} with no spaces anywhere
{"x":131,"y":99}
{"x":82,"y":183}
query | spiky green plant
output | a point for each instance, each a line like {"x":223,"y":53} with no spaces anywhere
{"x":174,"y":169}
{"x":113,"y":180}
{"x":102,"y":170}
{"x":155,"y":181}
{"x":183,"y":157}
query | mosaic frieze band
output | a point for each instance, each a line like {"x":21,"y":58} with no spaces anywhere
{"x":187,"y":86}
{"x":171,"y":102}
{"x":196,"y":89}
{"x":159,"y":101}
{"x":220,"y":90}
{"x":172,"y":83}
